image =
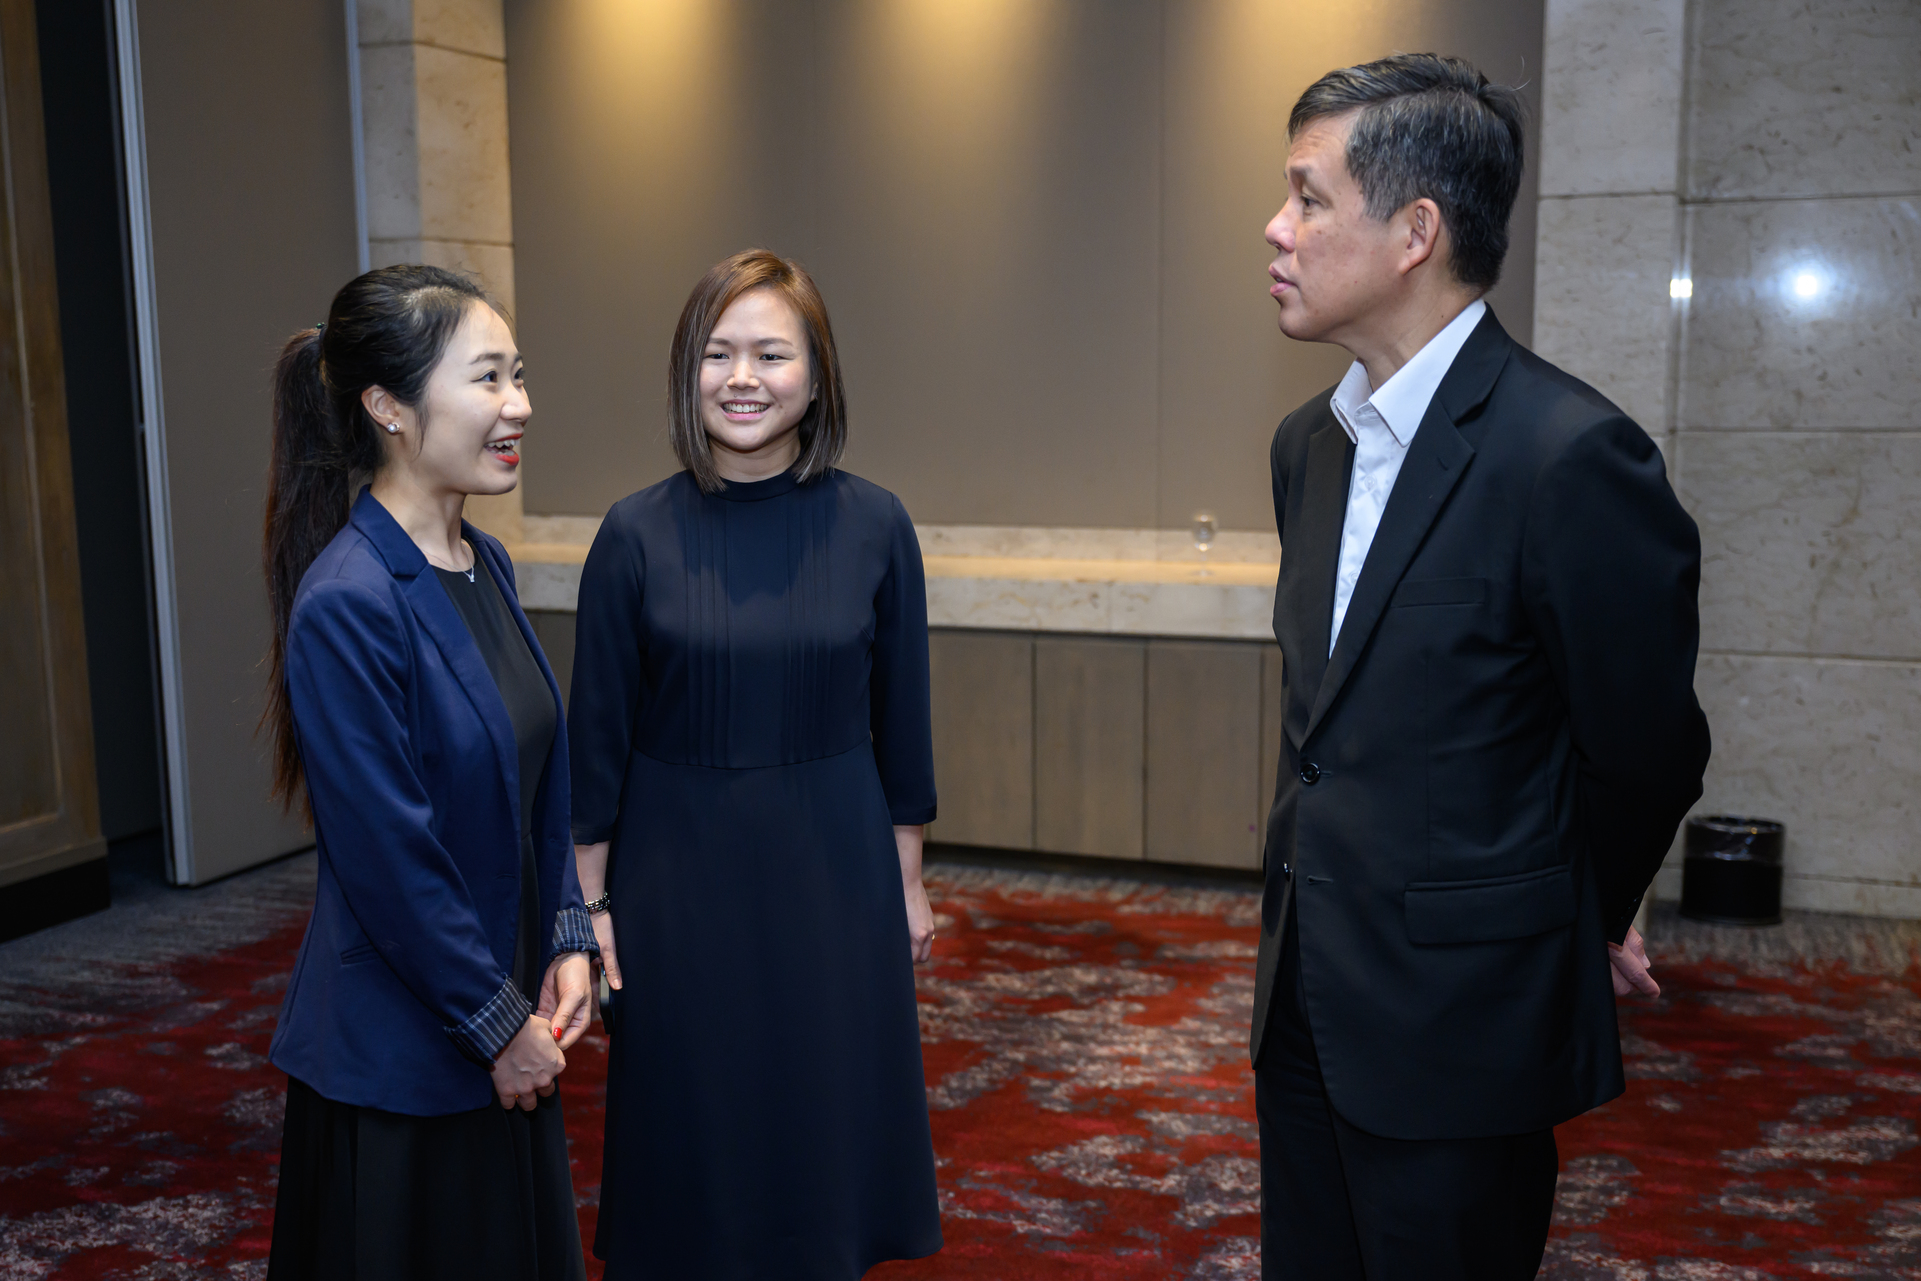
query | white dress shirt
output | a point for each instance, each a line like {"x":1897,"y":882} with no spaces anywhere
{"x":1382,"y":426}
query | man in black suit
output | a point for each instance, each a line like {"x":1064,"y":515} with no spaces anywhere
{"x":1487,"y":608}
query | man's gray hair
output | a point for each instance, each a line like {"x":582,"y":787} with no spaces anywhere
{"x":1430,"y":126}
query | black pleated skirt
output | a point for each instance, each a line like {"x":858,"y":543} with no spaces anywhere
{"x":367,"y":1195}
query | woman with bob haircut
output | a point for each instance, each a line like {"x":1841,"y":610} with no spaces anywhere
{"x":445,"y":970}
{"x":753,"y":767}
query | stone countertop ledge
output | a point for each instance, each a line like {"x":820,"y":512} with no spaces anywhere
{"x":1116,"y":581}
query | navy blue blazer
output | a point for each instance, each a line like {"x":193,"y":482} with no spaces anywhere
{"x":402,"y":996}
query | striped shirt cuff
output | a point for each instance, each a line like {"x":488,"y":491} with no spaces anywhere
{"x":573,"y":932}
{"x":486,"y":1034}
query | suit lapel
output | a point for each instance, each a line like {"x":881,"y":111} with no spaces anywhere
{"x":1434,"y":465}
{"x":1316,"y":549}
{"x":442,"y":621}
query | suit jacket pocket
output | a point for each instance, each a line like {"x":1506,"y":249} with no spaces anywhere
{"x":1501,"y":907}
{"x":1441,"y":591}
{"x":359,"y":954}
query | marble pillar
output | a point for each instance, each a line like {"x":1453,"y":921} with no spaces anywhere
{"x":433,"y":88}
{"x":1760,"y":154}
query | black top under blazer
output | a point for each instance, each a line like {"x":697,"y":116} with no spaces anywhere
{"x":1478,"y":785}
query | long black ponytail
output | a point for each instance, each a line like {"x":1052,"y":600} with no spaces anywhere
{"x":385,"y":329}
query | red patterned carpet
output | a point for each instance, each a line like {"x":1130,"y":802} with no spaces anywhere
{"x":1092,"y":1106}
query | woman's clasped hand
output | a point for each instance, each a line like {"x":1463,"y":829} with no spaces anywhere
{"x":527,"y":1069}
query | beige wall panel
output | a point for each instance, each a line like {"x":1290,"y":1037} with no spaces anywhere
{"x":983,"y":696}
{"x":648,"y":142}
{"x":1809,"y":542}
{"x":1273,"y":750}
{"x":1832,"y":748}
{"x":1602,"y":310}
{"x":1761,"y":353}
{"x":988,"y":236}
{"x":1037,"y":224}
{"x":1090,"y":743}
{"x":250,"y":186}
{"x":1234,"y":69}
{"x":1203,"y":752}
{"x":1790,"y":98}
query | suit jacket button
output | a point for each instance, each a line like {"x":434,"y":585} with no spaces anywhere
{"x":1310,"y":773}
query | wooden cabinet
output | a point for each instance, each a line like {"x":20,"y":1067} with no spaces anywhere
{"x":983,"y":694}
{"x":49,"y":808}
{"x":1107,"y":746}
{"x":1203,"y":752}
{"x":1090,"y":735}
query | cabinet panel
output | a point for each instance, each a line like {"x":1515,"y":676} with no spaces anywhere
{"x":1273,"y":751}
{"x":1203,"y":752}
{"x":49,"y":806}
{"x":1090,"y":731}
{"x":983,"y":692}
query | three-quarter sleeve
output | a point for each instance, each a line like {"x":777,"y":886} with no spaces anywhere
{"x":609,"y":676}
{"x":902,"y":718}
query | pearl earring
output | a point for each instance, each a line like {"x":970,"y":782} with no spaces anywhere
{"x":392,"y":428}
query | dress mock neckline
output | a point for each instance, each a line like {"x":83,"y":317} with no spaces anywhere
{"x":752,"y":491}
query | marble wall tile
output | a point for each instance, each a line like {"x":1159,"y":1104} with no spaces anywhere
{"x":1231,"y":546}
{"x":1042,"y":541}
{"x":1804,"y":315}
{"x":471,"y":26}
{"x":465,"y":193}
{"x":385,"y":21}
{"x":1830,"y":747}
{"x":1798,"y":98}
{"x":492,"y":265}
{"x":544,"y":585}
{"x":561,"y":529}
{"x":1018,"y":604}
{"x":1809,"y":542}
{"x":1603,"y":265}
{"x":390,"y":121}
{"x":1853,"y":895}
{"x":1192,"y":609}
{"x":1611,"y":98}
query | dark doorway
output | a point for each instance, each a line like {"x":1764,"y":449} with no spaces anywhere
{"x":79,"y":92}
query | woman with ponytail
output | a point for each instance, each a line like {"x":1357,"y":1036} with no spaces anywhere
{"x":445,"y":971}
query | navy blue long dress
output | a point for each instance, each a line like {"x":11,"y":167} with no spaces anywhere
{"x":749,"y":720}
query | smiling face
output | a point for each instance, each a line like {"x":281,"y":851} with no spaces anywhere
{"x":756,"y":383}
{"x":1336,"y":265}
{"x":464,"y":438}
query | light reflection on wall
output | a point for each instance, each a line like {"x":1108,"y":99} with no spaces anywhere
{"x":942,"y":98}
{"x":652,"y":73}
{"x":1037,"y":223}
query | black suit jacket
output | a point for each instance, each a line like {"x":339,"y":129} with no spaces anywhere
{"x":1478,"y":785}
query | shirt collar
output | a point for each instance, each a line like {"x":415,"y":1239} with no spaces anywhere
{"x":1401,"y":402}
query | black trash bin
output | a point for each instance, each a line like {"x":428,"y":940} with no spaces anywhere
{"x":1732,"y":873}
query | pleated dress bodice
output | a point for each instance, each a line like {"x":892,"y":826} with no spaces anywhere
{"x":764,"y":625}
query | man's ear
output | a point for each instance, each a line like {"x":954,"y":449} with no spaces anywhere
{"x":1425,"y":231}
